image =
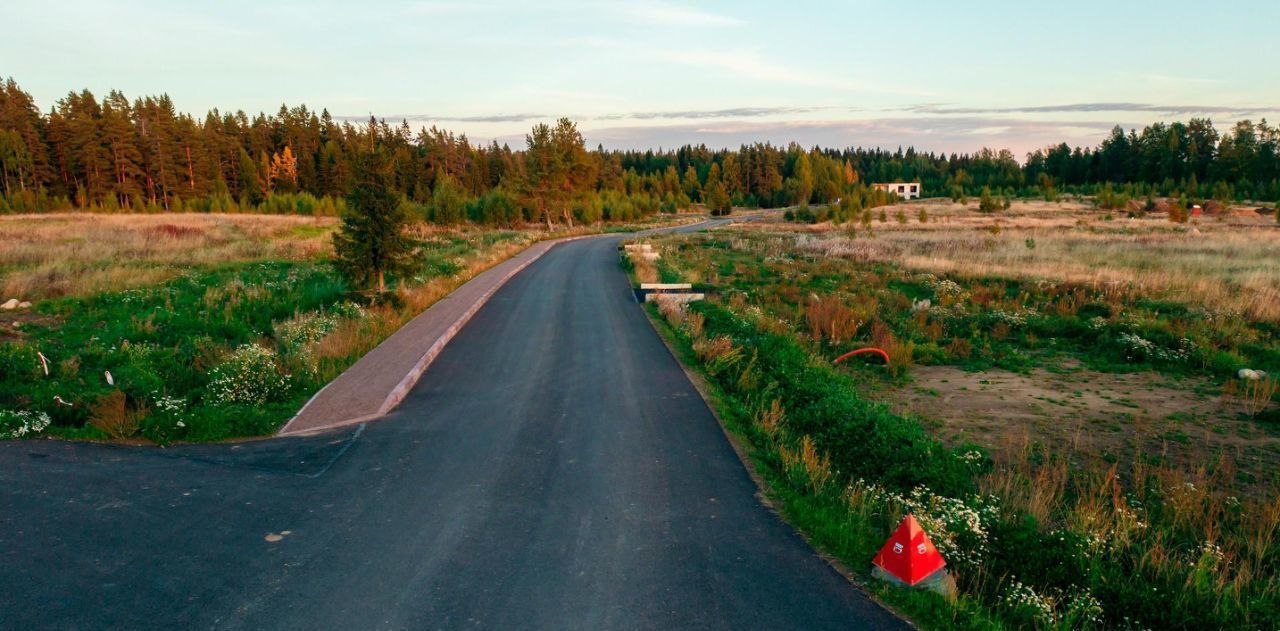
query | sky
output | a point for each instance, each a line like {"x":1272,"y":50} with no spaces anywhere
{"x":937,"y":75}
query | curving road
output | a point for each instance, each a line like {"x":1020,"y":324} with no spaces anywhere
{"x":553,"y":469}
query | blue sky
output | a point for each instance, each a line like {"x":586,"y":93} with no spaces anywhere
{"x":952,"y":76}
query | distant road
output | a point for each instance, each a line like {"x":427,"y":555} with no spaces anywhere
{"x":553,"y":469}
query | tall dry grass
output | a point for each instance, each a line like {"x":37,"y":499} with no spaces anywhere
{"x":831,"y":320}
{"x":1189,"y":524}
{"x":1234,"y":268}
{"x":48,"y":256}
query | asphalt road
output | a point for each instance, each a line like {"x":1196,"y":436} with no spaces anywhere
{"x":553,"y":469}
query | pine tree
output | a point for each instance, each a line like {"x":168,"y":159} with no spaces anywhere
{"x":371,"y":243}
{"x":15,"y":162}
{"x":557,"y":170}
{"x":20,"y":117}
{"x":156,"y":120}
{"x":88,"y":161}
{"x":122,"y":141}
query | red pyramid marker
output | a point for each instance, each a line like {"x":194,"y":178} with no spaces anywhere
{"x":908,"y":555}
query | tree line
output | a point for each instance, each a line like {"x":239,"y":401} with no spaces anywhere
{"x":145,"y":155}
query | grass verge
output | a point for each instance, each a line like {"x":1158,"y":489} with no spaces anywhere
{"x":1090,"y":554}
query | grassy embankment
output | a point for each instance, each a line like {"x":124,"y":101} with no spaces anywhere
{"x":210,"y":326}
{"x":1132,"y":525}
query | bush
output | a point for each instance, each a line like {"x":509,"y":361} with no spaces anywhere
{"x":448,"y":202}
{"x":249,"y":376}
{"x":988,"y":203}
{"x":22,"y":423}
{"x":111,"y":414}
{"x":832,"y":321}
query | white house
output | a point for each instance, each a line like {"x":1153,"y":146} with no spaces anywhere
{"x":905,"y":190}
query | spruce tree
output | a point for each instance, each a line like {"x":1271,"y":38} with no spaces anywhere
{"x":371,"y":243}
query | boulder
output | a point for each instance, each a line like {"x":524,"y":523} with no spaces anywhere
{"x":10,"y":304}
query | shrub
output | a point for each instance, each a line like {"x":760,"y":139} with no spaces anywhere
{"x":22,"y":423}
{"x":831,"y":320}
{"x":900,"y":353}
{"x":304,"y":329}
{"x":111,"y":414}
{"x":988,"y":203}
{"x":249,"y":376}
{"x":298,"y":335}
{"x":717,"y":353}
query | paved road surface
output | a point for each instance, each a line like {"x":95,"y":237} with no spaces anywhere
{"x":553,"y":469}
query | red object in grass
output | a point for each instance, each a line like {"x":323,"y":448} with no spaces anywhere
{"x":860,"y":351}
{"x":908,"y":555}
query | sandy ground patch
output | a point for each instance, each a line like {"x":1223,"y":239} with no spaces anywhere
{"x":1106,"y":415}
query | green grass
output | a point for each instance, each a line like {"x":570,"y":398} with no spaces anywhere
{"x":165,"y":345}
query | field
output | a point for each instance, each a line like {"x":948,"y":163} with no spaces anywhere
{"x":1064,"y":408}
{"x":65,"y":254}
{"x":197,"y":327}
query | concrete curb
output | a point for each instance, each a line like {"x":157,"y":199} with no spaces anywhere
{"x":405,"y":385}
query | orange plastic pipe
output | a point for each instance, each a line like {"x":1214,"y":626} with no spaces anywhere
{"x":878,"y":351}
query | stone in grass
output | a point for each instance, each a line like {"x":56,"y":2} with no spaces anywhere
{"x":10,"y":304}
{"x":1251,"y":375}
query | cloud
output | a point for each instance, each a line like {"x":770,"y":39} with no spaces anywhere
{"x":674,"y":15}
{"x":748,"y":64}
{"x":419,"y":118}
{"x":940,"y":133}
{"x":733,"y":112}
{"x":1168,"y":110}
{"x":444,"y":7}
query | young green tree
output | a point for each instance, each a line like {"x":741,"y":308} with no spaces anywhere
{"x":987,"y":202}
{"x":247,"y":180}
{"x":714,"y":194}
{"x":804,"y":179}
{"x":448,"y":202}
{"x":690,"y":184}
{"x":371,"y":243}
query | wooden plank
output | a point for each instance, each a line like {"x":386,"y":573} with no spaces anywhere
{"x":666,"y":286}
